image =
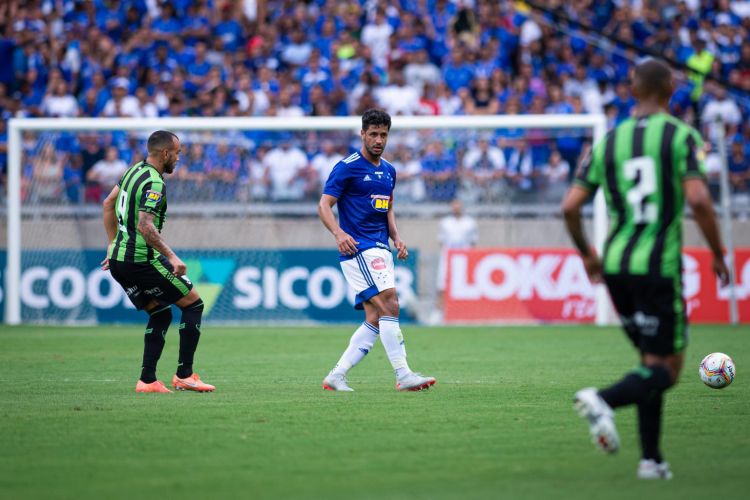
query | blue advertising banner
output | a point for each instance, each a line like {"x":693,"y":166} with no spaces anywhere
{"x":236,"y":286}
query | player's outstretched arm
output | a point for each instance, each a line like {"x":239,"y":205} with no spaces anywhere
{"x":345,"y":243}
{"x":699,"y":199}
{"x":110,"y":221}
{"x":571,"y":208}
{"x":402,"y":251}
{"x":149,"y":232}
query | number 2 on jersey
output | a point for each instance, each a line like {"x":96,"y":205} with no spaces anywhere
{"x":642,"y":170}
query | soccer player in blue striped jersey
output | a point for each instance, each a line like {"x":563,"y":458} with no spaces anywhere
{"x":362,"y":186}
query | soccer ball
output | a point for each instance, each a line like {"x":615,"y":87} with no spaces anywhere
{"x":716,"y":370}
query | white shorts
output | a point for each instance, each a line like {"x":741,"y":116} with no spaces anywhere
{"x":369,"y":273}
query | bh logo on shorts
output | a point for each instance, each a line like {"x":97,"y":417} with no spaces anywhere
{"x":378,"y":264}
{"x":380,"y":202}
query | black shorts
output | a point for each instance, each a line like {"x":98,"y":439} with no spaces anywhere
{"x":144,"y":282}
{"x":652,"y":311}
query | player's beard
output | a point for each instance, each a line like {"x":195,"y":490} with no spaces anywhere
{"x":169,"y":167}
{"x":372,"y":153}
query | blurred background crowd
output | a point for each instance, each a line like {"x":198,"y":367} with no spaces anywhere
{"x":208,"y":58}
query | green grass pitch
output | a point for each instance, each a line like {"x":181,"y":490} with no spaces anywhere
{"x":498,"y":424}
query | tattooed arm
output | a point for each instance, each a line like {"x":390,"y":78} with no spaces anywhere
{"x":149,"y":232}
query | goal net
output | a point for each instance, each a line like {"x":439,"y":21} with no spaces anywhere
{"x":243,"y":216}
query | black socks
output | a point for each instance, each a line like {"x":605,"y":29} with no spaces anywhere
{"x":190,"y":332}
{"x":153,"y":341}
{"x":636,"y":386}
{"x":644,"y":387}
{"x":649,"y":425}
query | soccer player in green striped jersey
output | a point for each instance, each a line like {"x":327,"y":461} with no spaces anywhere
{"x":151,"y":274}
{"x":647,"y":167}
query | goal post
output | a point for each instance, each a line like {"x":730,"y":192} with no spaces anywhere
{"x":595,"y":124}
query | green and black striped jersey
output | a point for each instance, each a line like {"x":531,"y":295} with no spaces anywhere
{"x":142,"y":189}
{"x":641,"y":165}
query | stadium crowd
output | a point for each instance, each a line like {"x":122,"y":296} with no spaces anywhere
{"x":150,"y":58}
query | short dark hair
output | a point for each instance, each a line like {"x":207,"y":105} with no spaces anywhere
{"x":159,"y":140}
{"x":653,"y":78}
{"x":375,"y":117}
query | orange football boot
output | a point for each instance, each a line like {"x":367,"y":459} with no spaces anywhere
{"x":157,"y":386}
{"x":191,"y":383}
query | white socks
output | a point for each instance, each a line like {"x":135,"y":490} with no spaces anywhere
{"x":359,"y":345}
{"x":364,"y":338}
{"x":393,"y":341}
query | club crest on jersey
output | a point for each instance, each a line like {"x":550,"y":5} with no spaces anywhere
{"x":378,"y":264}
{"x":153,"y":196}
{"x":380,"y":202}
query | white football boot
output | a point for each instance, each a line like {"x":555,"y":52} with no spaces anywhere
{"x":414,"y":382}
{"x":649,"y":469}
{"x":592,"y":407}
{"x":336,"y":382}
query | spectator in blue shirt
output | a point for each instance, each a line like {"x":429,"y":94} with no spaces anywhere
{"x":440,"y":172}
{"x":222,"y":166}
{"x":195,"y":25}
{"x":197,"y":71}
{"x":73,"y":181}
{"x":739,"y":169}
{"x":161,"y":61}
{"x":297,"y":52}
{"x":110,"y":19}
{"x":313,"y":73}
{"x":229,"y":30}
{"x":457,"y":73}
{"x":623,"y":102}
{"x":166,"y":26}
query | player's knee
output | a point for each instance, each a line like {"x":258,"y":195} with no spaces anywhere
{"x":389,"y":305}
{"x":194,"y":309}
{"x":161,"y":315}
{"x":662,"y":376}
{"x":392,"y":308}
{"x":373,"y":317}
{"x":158,"y":323}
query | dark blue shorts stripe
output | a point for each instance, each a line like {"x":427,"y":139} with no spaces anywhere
{"x":365,"y":271}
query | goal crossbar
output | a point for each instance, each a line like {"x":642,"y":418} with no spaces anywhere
{"x":16,"y":126}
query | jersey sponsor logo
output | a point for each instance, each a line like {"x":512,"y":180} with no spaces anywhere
{"x":367,"y":178}
{"x":378,"y":264}
{"x":381,"y":245}
{"x":380,"y":202}
{"x":153,"y":196}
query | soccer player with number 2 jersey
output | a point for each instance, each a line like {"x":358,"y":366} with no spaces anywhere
{"x":362,"y":187}
{"x":647,"y":167}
